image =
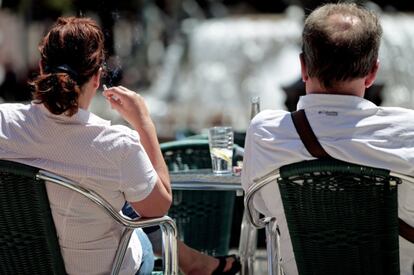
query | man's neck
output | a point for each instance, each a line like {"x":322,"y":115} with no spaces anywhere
{"x":354,"y":87}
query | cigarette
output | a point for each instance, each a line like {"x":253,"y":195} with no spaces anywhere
{"x":112,"y":96}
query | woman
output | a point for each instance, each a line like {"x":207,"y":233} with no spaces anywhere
{"x":57,"y":133}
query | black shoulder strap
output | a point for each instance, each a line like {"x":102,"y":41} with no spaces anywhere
{"x":307,"y":135}
{"x":406,"y":231}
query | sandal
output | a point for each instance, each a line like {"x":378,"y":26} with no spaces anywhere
{"x":235,"y":267}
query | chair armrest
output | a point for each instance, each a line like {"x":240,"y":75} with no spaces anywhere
{"x":402,"y":176}
{"x":259,"y":183}
{"x":167,"y":225}
{"x":169,"y":239}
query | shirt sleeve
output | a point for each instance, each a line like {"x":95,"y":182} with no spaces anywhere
{"x":267,"y":147}
{"x":250,"y":169}
{"x":138,"y":176}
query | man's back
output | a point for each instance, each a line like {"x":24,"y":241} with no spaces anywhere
{"x":349,"y":128}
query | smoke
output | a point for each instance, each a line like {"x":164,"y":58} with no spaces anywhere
{"x":114,"y":71}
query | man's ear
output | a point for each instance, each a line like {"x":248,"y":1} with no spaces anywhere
{"x":370,"y":78}
{"x":303,"y":69}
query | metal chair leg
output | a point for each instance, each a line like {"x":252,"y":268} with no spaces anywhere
{"x":169,"y":239}
{"x":247,"y":246}
{"x":273,"y":248}
{"x":122,"y":248}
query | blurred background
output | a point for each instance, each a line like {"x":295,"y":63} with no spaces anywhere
{"x":198,"y":62}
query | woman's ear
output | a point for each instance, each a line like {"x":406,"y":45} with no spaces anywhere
{"x":97,"y":78}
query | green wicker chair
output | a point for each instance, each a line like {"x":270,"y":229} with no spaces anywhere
{"x":342,"y":217}
{"x":203,"y":218}
{"x":28,"y":240}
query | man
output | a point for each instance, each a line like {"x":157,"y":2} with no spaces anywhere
{"x":339,"y":61}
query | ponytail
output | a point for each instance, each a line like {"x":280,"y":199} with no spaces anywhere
{"x":58,"y":92}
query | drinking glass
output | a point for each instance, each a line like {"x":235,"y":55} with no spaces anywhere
{"x":221,"y":149}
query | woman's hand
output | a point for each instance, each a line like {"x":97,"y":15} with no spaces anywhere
{"x":130,"y":105}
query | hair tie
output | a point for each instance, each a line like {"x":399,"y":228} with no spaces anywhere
{"x":64,"y":68}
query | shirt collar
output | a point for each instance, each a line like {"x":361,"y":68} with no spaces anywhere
{"x":332,"y":100}
{"x":81,"y":117}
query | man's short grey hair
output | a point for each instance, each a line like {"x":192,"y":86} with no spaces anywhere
{"x":340,"y":42}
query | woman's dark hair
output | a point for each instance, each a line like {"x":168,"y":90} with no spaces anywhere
{"x":71,"y":53}
{"x":344,"y":50}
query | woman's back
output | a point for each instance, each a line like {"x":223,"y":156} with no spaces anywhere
{"x":87,"y":149}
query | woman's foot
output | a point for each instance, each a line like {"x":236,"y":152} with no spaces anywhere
{"x":228,"y":265}
{"x":193,"y":262}
{"x":207,"y":265}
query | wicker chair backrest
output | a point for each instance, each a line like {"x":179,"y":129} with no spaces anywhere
{"x":342,"y":217}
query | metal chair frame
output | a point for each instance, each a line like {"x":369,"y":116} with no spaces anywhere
{"x":167,"y":225}
{"x":270,"y":223}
